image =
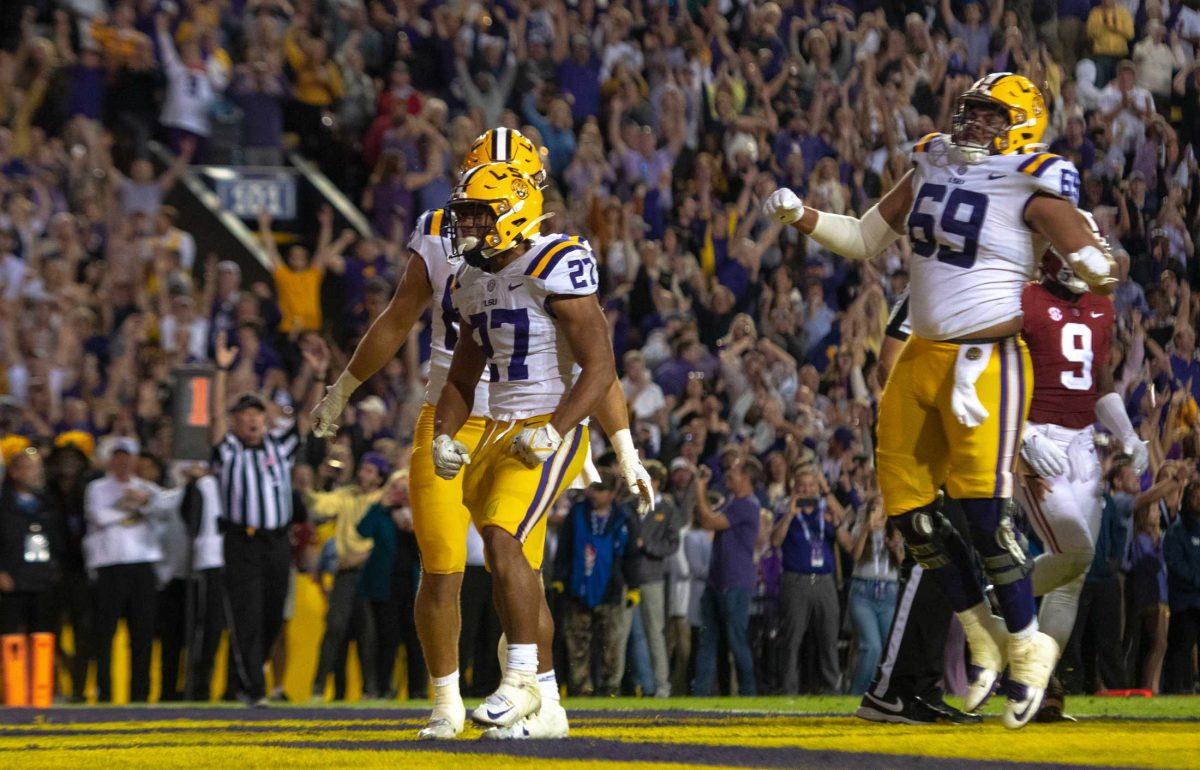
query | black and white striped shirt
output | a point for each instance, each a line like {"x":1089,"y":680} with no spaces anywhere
{"x":256,"y":482}
{"x":898,"y":326}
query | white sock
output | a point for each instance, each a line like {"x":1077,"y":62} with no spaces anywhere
{"x":522,"y":658}
{"x":445,"y":689}
{"x":1027,"y":631}
{"x":548,"y":685}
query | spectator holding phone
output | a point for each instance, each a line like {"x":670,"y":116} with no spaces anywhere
{"x":806,"y":533}
{"x":877,"y":551}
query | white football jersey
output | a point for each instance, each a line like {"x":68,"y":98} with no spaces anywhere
{"x":427,"y":242}
{"x":972,"y":251}
{"x":509,"y":312}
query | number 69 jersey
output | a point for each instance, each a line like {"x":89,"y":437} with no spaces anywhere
{"x":972,"y":250}
{"x":1068,"y":342}
{"x":511,"y":316}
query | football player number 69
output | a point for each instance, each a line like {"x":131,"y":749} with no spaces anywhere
{"x":961,"y":217}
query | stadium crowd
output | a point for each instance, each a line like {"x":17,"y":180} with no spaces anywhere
{"x":664,"y":126}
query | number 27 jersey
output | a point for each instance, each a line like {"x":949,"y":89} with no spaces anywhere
{"x":1068,"y":342}
{"x":510,"y":313}
{"x":972,"y":250}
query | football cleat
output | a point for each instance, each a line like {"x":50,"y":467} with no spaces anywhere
{"x":1053,"y":704}
{"x":898,"y":711}
{"x":550,"y":721}
{"x":949,"y":713}
{"x":987,"y":641}
{"x":516,"y":698}
{"x":1031,"y":662}
{"x":445,"y":723}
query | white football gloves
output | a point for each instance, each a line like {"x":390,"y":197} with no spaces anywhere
{"x":327,"y":411}
{"x":784,"y":206}
{"x":1096,"y":268}
{"x":635,"y":474}
{"x":449,"y":456}
{"x":534,"y":446}
{"x":1043,"y":455}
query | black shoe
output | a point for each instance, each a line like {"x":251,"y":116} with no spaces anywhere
{"x":897,"y":710}
{"x":950,"y":713}
{"x":1053,"y":704}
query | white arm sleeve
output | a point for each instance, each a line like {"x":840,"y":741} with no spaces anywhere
{"x":854,"y":238}
{"x":1111,"y":413}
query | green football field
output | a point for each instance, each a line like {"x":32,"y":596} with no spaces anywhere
{"x":769,"y":732}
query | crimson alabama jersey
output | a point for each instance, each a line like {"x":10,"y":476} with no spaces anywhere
{"x":1069,"y":342}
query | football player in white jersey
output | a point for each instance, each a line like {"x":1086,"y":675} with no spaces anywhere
{"x":979,"y":206}
{"x":440,"y":519}
{"x":537,"y":328}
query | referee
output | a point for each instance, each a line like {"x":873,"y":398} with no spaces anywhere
{"x":253,"y":466}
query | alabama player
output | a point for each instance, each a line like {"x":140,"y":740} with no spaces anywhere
{"x":439,"y":518}
{"x":1068,"y":330}
{"x":537,"y":328}
{"x":979,"y":206}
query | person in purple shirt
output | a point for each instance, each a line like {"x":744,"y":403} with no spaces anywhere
{"x":732,"y":577}
{"x":806,"y":533}
{"x":579,"y":76}
{"x":1147,"y":616}
{"x":260,"y":89}
{"x":1075,"y":146}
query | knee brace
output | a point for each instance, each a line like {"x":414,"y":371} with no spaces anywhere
{"x":1003,"y":548}
{"x":926,"y":531}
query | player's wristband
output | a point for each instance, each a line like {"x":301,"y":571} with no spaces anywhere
{"x":345,"y":384}
{"x":622,"y":442}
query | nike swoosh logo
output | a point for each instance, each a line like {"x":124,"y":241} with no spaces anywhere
{"x":1021,"y":715}
{"x":497,"y":714}
{"x":1097,"y":315}
{"x":996,"y":176}
{"x":895,"y":708}
{"x":514,"y":286}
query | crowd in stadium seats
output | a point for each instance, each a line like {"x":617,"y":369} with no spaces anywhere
{"x":664,"y":126}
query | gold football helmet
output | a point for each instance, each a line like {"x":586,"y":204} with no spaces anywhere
{"x":493,"y":208}
{"x":505,"y":145}
{"x":1000,"y":114}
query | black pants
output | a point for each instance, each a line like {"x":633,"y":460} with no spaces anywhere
{"x":914,"y":655}
{"x":27,"y":612}
{"x":207,"y":624}
{"x":125,"y":591}
{"x":1182,"y":635}
{"x":169,"y":620}
{"x":256,"y":585}
{"x":1092,"y":660}
{"x":347,"y":616}
{"x":480,"y":633}
{"x":77,"y":604}
{"x":394,"y":626}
